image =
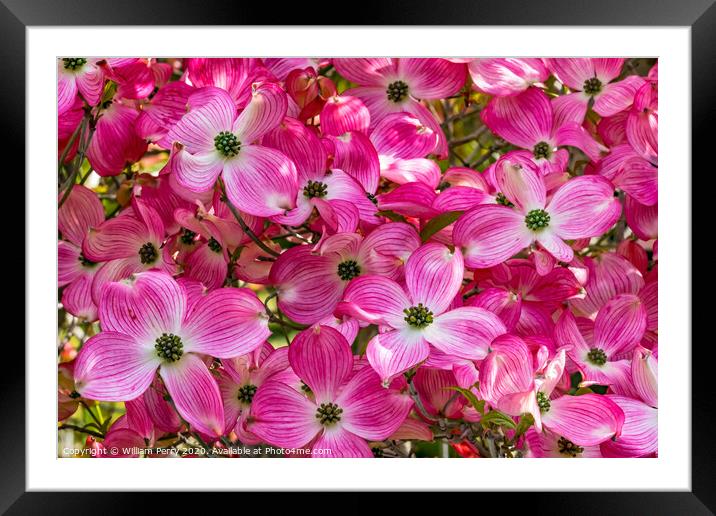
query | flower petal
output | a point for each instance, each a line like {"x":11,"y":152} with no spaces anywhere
{"x":639,"y":436}
{"x":377,"y":300}
{"x":265,"y":111}
{"x":340,"y":443}
{"x":518,"y":179}
{"x":81,"y":211}
{"x":195,"y":393}
{"x":466,"y":332}
{"x":396,"y":351}
{"x":585,"y":420}
{"x":620,"y":324}
{"x":617,"y":96}
{"x":211,"y":111}
{"x":343,"y":113}
{"x":113,"y":366}
{"x":431,"y":78}
{"x":433,"y":276}
{"x":370,"y":71}
{"x":523,"y":120}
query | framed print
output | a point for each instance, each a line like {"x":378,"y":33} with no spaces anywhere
{"x":436,"y":242}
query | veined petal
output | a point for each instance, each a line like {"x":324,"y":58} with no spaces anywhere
{"x":574,"y":135}
{"x":196,"y":172}
{"x":113,"y":366}
{"x":403,"y":136}
{"x":556,"y":246}
{"x":571,"y":107}
{"x":356,"y":156}
{"x":490,"y":234}
{"x":639,"y":436}
{"x":387,"y":248}
{"x":301,"y":145}
{"x":225,"y":323}
{"x":120,"y":237}
{"x":431,"y":78}
{"x":433,"y":276}
{"x":261,"y":181}
{"x":523,"y":120}
{"x":572,"y":71}
{"x":211,"y":111}
{"x":265,"y":111}
{"x":145,"y":307}
{"x":583,"y":207}
{"x":644,"y":373}
{"x":620,"y":324}
{"x":501,"y":302}
{"x":461,"y":198}
{"x":506,"y":370}
{"x":567,"y":334}
{"x":414,"y":199}
{"x":519,"y":181}
{"x":585,"y":420}
{"x":343,"y":113}
{"x":396,"y":351}
{"x":642,"y":220}
{"x":77,"y":298}
{"x":617,"y":96}
{"x":377,"y":300}
{"x":427,"y":119}
{"x":339,"y":215}
{"x":369,"y":71}
{"x":368,"y":410}
{"x":195,"y":393}
{"x":340,"y":443}
{"x":282,"y":416}
{"x":466,"y":332}
{"x":607,"y":69}
{"x":506,"y":76}
{"x":322,"y":358}
{"x":81,"y":211}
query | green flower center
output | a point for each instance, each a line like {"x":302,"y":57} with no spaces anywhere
{"x":397,"y":91}
{"x":592,"y":86}
{"x":85,"y":262}
{"x":169,"y":347}
{"x":305,"y":388}
{"x":537,"y":219}
{"x":329,"y":414}
{"x":542,"y":150}
{"x":73,"y":63}
{"x":567,"y":447}
{"x":187,"y":236}
{"x":148,"y":253}
{"x":543,"y":402}
{"x":418,"y":316}
{"x":214,"y":245}
{"x":246,"y":393}
{"x":372,"y":198}
{"x":501,"y":199}
{"x":227,"y":143}
{"x":315,"y":189}
{"x":348,"y":270}
{"x":597,"y":357}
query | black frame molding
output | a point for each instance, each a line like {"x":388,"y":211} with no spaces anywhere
{"x":700,"y":15}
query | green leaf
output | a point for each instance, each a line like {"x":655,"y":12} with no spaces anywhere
{"x":479,"y":405}
{"x":395,"y":217}
{"x":497,"y":418}
{"x":436,"y":224}
{"x":526,"y":421}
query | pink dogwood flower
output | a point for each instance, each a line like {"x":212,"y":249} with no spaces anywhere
{"x":149,"y":324}
{"x":490,"y":234}
{"x":591,"y":79}
{"x":81,"y":212}
{"x":506,"y":76}
{"x":310,"y":283}
{"x":529,"y":121}
{"x":418,"y":315}
{"x":343,"y":408}
{"x":389,"y":85}
{"x":79,"y":74}
{"x":211,"y":140}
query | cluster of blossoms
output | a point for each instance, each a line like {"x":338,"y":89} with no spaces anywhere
{"x":359,"y":257}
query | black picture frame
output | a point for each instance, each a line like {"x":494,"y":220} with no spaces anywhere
{"x":699,"y":15}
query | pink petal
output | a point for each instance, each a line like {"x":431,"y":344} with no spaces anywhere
{"x":430,"y":78}
{"x":322,"y":358}
{"x":617,"y":96}
{"x":574,"y":135}
{"x":642,"y":220}
{"x":396,"y":351}
{"x":461,"y":198}
{"x":145,"y":307}
{"x":607,"y":69}
{"x":343,"y":113}
{"x":343,"y":187}
{"x":90,"y":82}
{"x":308,"y":285}
{"x":387,"y":248}
{"x":356,"y":156}
{"x":506,"y":76}
{"x":644,"y":373}
{"x":163,"y":415}
{"x":433,"y":276}
{"x":340,"y":443}
{"x":377,"y":300}
{"x":639,"y":179}
{"x":567,"y":334}
{"x":500,"y":302}
{"x":585,"y":420}
{"x":490,"y":234}
{"x":261,"y":181}
{"x":506,"y":370}
{"x":520,"y":182}
{"x":523,"y":120}
{"x":639,"y":436}
{"x":125,"y":442}
{"x":196,"y":172}
{"x":620,"y":324}
{"x":81,"y":211}
{"x":207,"y":266}
{"x":282,"y":416}
{"x":556,"y":246}
{"x":301,"y":145}
{"x":115,"y":142}
{"x":366,"y":71}
{"x":113,"y":366}
{"x":571,"y":107}
{"x":368,"y":410}
{"x":120,"y":237}
{"x":572,"y":71}
{"x":403,"y":136}
{"x":77,"y":298}
{"x":265,"y":111}
{"x":195,"y":393}
{"x":225,"y":323}
{"x":466,"y":332}
{"x":66,"y":90}
{"x":428,"y":120}
{"x":584,"y":207}
{"x":233,"y":75}
{"x":414,"y":199}
{"x":211,"y":111}
{"x":165,"y":109}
